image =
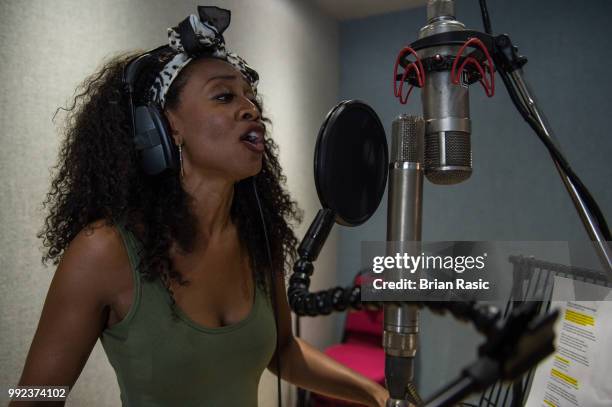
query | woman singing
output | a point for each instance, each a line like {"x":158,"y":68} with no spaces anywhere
{"x":170,"y":226}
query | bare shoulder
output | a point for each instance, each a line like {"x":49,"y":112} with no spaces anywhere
{"x":99,"y":239}
{"x":76,"y":308}
{"x":96,"y":261}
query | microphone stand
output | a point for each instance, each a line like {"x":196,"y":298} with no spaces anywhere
{"x":509,"y":65}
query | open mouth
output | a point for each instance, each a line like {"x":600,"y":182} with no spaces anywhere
{"x":253,"y":140}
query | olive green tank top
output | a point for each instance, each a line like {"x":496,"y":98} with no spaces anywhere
{"x":161,"y":361}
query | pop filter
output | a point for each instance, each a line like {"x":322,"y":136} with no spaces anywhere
{"x":350,"y":162}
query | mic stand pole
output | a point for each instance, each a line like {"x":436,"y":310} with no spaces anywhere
{"x":509,"y":65}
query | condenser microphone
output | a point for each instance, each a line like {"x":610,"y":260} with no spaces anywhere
{"x":404,"y":214}
{"x":404,"y":220}
{"x":446,"y":108}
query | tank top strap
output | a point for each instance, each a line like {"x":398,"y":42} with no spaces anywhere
{"x":133,"y":247}
{"x":134,"y":250}
{"x":120,"y":330}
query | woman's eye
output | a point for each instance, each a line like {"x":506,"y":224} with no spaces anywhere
{"x":225,"y":97}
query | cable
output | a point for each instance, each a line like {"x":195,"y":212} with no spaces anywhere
{"x":273,"y":288}
{"x":583,"y":191}
{"x":486,"y":22}
{"x":557,"y":155}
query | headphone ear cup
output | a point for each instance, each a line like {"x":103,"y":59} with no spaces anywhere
{"x":153,"y":140}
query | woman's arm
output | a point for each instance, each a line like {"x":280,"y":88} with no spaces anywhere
{"x":74,"y":313}
{"x":307,"y":367}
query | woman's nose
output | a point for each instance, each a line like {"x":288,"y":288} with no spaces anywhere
{"x":249,"y":110}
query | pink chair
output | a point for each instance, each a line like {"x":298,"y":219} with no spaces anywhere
{"x":360,"y":349}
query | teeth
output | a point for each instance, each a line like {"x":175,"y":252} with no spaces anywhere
{"x":251,"y":136}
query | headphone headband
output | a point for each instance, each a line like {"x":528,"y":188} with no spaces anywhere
{"x":150,"y":133}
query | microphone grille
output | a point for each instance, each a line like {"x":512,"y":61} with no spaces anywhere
{"x":407,"y":133}
{"x":448,"y":157}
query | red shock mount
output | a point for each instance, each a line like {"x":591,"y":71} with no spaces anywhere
{"x":488,"y":85}
{"x":414,"y":72}
{"x":415,"y":66}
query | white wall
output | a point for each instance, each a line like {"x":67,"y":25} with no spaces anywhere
{"x":49,"y":47}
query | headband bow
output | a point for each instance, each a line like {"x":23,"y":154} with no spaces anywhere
{"x":194,"y":37}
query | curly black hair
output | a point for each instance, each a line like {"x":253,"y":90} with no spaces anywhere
{"x":98,"y":177}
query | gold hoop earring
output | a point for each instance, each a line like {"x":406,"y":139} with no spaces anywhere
{"x":180,"y":147}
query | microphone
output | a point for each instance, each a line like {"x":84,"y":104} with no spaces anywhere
{"x":404,"y":220}
{"x":446,"y":108}
{"x":404,"y":217}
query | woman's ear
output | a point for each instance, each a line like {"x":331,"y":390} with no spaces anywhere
{"x":173,"y":123}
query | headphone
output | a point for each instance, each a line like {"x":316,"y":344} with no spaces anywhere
{"x":151,"y":132}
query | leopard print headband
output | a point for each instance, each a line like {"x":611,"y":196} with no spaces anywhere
{"x":199,"y":36}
